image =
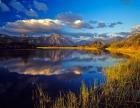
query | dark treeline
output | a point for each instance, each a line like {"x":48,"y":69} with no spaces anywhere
{"x":9,"y":42}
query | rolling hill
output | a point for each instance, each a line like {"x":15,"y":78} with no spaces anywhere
{"x":131,"y":41}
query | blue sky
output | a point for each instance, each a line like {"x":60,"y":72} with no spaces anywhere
{"x":69,"y":17}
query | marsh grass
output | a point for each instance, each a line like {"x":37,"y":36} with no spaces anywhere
{"x":122,"y":90}
{"x":123,"y":83}
{"x":40,"y":97}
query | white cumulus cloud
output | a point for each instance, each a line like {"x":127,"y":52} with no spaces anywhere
{"x":33,"y":26}
{"x":81,"y":24}
{"x":74,"y":20}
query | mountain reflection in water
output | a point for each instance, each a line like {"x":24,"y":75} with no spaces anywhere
{"x":54,"y":62}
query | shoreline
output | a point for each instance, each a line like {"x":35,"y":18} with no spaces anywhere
{"x":70,"y":48}
{"x":134,"y":53}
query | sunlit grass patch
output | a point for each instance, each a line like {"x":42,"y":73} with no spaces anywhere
{"x":123,"y":83}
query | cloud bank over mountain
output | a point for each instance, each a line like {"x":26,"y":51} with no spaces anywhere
{"x":33,"y":26}
{"x":57,"y":25}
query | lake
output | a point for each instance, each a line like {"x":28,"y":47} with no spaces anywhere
{"x":54,"y":70}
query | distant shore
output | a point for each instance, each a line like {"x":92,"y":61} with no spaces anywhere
{"x":72,"y":48}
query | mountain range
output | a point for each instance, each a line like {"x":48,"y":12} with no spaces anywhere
{"x":59,"y":40}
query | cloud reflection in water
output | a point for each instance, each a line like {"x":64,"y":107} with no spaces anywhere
{"x":58,"y":62}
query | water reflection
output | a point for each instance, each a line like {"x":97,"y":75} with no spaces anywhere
{"x":54,"y":62}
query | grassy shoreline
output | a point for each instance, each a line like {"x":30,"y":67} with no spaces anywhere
{"x":131,"y":52}
{"x":122,"y":88}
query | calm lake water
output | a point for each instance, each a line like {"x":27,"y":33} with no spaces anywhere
{"x":53,"y":70}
